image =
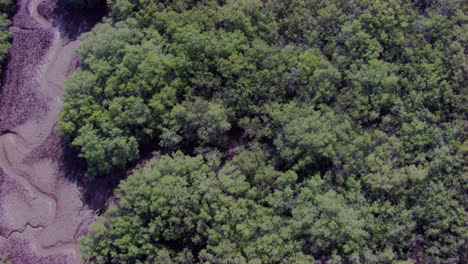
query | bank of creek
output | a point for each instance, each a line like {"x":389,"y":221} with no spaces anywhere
{"x":42,"y":208}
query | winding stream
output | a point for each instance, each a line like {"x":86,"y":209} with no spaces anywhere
{"x":41,"y":213}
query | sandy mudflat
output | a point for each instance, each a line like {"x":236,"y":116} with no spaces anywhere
{"x":41,"y":211}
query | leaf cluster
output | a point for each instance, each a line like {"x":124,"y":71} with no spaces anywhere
{"x":294,"y":130}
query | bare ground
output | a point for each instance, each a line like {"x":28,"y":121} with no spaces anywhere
{"x":42,"y":211}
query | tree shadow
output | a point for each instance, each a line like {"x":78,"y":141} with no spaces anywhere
{"x":72,"y":21}
{"x":96,"y":191}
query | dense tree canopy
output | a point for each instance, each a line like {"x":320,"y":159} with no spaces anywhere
{"x":293,"y":131}
{"x":7,"y":7}
{"x":184,"y":208}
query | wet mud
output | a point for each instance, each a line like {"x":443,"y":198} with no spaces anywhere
{"x":42,"y":207}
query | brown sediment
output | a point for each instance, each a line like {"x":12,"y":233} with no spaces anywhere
{"x":41,"y":210}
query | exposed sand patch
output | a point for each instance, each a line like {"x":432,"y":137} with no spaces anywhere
{"x":41,"y":212}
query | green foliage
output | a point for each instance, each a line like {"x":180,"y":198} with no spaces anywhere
{"x":305,"y":138}
{"x":4,"y":259}
{"x":7,"y":8}
{"x":184,"y":209}
{"x":196,"y":122}
{"x":331,"y":130}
